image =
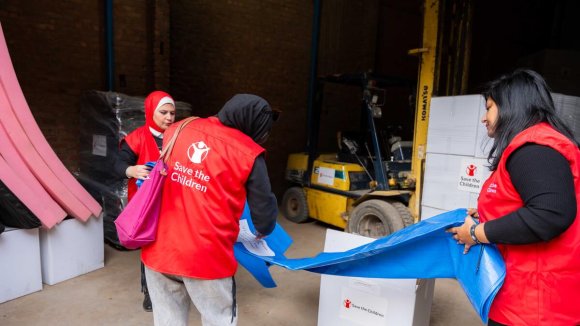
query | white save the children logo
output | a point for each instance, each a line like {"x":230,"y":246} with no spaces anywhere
{"x":197,"y":152}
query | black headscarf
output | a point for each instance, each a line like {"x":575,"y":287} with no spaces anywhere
{"x":248,"y":113}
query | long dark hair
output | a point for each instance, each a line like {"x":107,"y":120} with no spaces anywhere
{"x":523,"y":100}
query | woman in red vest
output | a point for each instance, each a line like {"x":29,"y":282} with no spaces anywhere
{"x":529,"y":204}
{"x":216,"y":164}
{"x":142,"y":145}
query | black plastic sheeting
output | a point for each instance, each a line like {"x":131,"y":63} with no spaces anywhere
{"x":107,"y":117}
{"x":13,"y":213}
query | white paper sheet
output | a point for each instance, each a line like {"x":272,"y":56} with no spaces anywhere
{"x":248,"y":239}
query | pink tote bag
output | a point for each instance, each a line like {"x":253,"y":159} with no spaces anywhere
{"x":137,"y":223}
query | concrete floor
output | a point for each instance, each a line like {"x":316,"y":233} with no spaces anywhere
{"x":111,"y":295}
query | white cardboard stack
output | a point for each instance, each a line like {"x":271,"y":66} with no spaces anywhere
{"x":456,"y":138}
{"x":71,"y":248}
{"x":19,"y":263}
{"x":370,"y":301}
{"x":457,"y":145}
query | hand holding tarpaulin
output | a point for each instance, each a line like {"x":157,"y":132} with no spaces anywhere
{"x":150,"y":166}
{"x":137,"y":223}
{"x":422,"y":250}
{"x":278,"y":241}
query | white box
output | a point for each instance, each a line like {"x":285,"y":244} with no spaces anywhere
{"x":482,"y":142}
{"x":454,"y":124}
{"x":370,"y":301}
{"x":19,"y":263}
{"x":428,"y":212}
{"x":71,"y":248}
{"x":443,"y":174}
{"x":457,"y":141}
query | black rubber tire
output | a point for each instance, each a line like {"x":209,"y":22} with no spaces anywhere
{"x":294,"y":206}
{"x":375,"y":218}
{"x":403,"y":212}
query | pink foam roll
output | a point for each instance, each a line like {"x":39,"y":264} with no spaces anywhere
{"x":23,"y":114}
{"x":27,"y":196}
{"x":34,"y":161}
{"x":51,"y":212}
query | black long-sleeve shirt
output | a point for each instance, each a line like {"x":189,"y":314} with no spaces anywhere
{"x":126,"y":158}
{"x":544,"y":181}
{"x":261,"y":199}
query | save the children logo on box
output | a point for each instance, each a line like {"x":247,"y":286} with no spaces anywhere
{"x":347,"y":303}
{"x":472,"y":174}
{"x":362,"y":307}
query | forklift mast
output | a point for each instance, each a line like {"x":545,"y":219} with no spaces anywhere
{"x":366,"y":82}
{"x":379,"y":167}
{"x":427,"y":74}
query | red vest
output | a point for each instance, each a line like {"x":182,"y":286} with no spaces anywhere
{"x":143,"y":144}
{"x":542,"y":282}
{"x":203,"y":198}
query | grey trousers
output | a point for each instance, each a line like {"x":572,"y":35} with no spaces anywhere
{"x":172,"y":295}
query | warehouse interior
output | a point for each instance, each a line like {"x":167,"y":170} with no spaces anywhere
{"x":204,"y":52}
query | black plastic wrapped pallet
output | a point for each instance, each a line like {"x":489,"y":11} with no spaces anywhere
{"x":112,"y":198}
{"x":13,"y":213}
{"x":107,"y":117}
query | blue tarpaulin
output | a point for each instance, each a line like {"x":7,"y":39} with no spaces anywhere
{"x":422,"y":250}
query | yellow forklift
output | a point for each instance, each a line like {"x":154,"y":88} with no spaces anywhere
{"x":379,"y":208}
{"x":364,"y":187}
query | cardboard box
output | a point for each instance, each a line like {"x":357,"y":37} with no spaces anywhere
{"x":455,"y":135}
{"x":482,"y":141}
{"x":19,"y":263}
{"x":448,"y":184}
{"x":455,"y":124}
{"x":70,"y":249}
{"x":370,"y":301}
{"x":456,"y":163}
{"x":428,"y":212}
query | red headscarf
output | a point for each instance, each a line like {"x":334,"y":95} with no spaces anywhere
{"x":152,"y":102}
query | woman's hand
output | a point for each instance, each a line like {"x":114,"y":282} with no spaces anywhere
{"x":472,"y":212}
{"x":138,"y":172}
{"x":461,"y":233}
{"x":259,"y":236}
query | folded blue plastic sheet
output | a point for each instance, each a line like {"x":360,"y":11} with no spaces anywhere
{"x":423,"y":250}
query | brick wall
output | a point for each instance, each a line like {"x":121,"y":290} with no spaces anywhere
{"x":220,"y":48}
{"x":55,"y":50}
{"x":58,"y":51}
{"x":161,"y":45}
{"x":202,"y":52}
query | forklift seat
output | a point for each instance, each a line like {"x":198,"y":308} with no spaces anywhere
{"x":352,"y":145}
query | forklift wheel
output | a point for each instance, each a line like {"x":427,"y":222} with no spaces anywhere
{"x":375,"y":218}
{"x":294,"y":205}
{"x":403,"y":212}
